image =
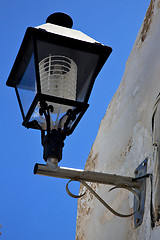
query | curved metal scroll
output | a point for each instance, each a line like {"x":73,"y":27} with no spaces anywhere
{"x":101,"y":200}
{"x":71,"y":194}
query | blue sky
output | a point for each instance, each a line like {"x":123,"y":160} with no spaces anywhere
{"x":36,"y":207}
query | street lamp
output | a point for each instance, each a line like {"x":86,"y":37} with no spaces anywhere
{"x":53,"y":76}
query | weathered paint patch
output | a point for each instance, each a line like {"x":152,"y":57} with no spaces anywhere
{"x":147,"y":21}
{"x":158,"y":4}
{"x":91,"y":161}
{"x":85,"y":203}
{"x":136,"y":90}
{"x":128,"y":148}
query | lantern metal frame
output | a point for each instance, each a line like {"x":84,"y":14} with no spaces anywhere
{"x":31,"y":37}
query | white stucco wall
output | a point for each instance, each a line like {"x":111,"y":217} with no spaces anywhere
{"x":124,"y":140}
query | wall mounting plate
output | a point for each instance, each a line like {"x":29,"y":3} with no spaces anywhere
{"x":140,"y":171}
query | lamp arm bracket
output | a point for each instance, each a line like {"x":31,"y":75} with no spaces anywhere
{"x":101,"y":200}
{"x":135,"y":185}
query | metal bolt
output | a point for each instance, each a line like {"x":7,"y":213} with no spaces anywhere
{"x":155,"y":144}
{"x":143,"y":164}
{"x":136,"y":172}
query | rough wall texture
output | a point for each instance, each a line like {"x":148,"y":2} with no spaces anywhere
{"x":124,"y":140}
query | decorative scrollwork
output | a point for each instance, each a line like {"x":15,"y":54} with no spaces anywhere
{"x":71,"y":194}
{"x":101,"y":200}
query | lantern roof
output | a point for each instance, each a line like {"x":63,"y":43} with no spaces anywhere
{"x":66,"y":32}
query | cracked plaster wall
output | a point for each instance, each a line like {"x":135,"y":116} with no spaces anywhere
{"x":124,"y":140}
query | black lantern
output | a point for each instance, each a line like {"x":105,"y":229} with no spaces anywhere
{"x":53,"y":76}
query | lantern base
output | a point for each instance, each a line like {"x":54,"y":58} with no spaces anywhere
{"x":53,"y":144}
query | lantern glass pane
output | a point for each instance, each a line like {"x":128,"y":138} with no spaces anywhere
{"x":26,"y":86}
{"x":57,"y":119}
{"x":65,"y":71}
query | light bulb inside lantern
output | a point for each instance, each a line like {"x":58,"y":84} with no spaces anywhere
{"x":58,"y":77}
